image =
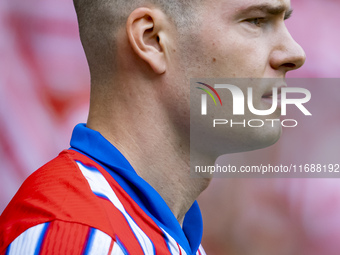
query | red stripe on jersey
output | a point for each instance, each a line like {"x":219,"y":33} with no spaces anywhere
{"x":122,"y":228}
{"x":111,"y":247}
{"x":65,"y":238}
{"x":179,"y":248}
{"x":146,"y":224}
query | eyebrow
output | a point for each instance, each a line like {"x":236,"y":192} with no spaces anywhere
{"x":272,"y":10}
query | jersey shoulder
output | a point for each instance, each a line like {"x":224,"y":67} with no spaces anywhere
{"x":56,"y":191}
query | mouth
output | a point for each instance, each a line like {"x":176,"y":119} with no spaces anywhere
{"x":268,"y":96}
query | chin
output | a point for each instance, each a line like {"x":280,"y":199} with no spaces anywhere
{"x":226,"y":140}
{"x":265,"y":137}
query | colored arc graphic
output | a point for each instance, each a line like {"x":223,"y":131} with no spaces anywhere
{"x":206,"y":91}
{"x":208,"y":86}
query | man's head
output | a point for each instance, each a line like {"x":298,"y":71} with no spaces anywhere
{"x":142,"y":54}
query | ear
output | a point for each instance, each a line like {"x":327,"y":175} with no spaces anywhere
{"x":145,"y":33}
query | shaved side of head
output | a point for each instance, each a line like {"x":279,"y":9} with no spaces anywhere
{"x":99,"y":21}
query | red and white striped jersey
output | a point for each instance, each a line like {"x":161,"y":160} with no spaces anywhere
{"x":85,"y":202}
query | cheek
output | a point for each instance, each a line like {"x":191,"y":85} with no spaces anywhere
{"x":236,"y":58}
{"x":175,"y":98}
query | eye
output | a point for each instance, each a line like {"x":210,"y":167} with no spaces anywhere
{"x":259,"y":22}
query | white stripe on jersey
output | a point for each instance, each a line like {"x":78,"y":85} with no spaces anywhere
{"x":101,"y":187}
{"x":175,"y":248}
{"x":201,"y":250}
{"x":99,"y":243}
{"x":29,"y":242}
{"x":117,"y":250}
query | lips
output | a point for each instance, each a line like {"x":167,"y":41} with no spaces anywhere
{"x":268,"y":96}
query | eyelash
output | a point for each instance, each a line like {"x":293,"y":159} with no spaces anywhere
{"x":257,"y":21}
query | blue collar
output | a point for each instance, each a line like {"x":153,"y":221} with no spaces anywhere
{"x":94,"y":145}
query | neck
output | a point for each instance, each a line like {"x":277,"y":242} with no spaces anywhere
{"x":145,"y":135}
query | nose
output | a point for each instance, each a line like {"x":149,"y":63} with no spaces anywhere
{"x":287,"y":55}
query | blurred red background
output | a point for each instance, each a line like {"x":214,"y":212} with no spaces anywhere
{"x":44,"y":93}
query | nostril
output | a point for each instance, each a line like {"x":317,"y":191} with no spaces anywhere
{"x":289,"y":65}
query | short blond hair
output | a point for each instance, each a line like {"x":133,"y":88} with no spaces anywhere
{"x":99,"y":20}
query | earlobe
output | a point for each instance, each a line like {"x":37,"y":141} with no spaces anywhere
{"x":144,"y":30}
